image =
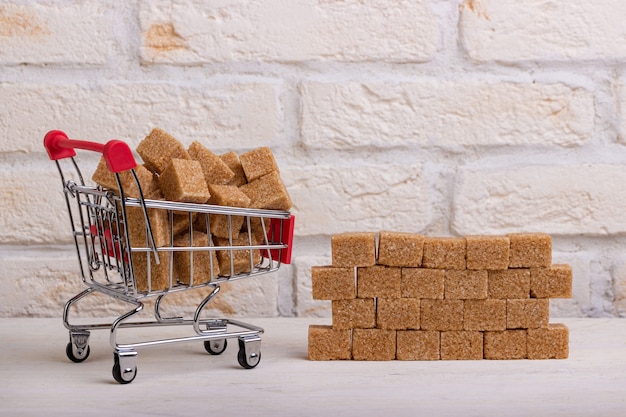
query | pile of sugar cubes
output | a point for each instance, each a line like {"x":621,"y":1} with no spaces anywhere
{"x":408,"y":297}
{"x":196,"y":175}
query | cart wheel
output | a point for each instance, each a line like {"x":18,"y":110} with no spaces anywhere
{"x":249,"y":354}
{"x":76,"y":355}
{"x":215,"y":347}
{"x":248,"y":361}
{"x":123,"y":376}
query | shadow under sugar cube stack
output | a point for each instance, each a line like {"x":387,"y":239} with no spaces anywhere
{"x":409,"y":297}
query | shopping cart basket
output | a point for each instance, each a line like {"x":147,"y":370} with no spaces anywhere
{"x":114,"y":263}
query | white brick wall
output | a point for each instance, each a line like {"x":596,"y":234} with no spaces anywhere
{"x":440,"y":117}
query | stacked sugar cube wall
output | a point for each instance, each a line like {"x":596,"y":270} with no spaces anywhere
{"x":409,"y":297}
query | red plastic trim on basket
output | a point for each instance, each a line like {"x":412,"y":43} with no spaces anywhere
{"x":117,"y":154}
{"x":286,"y":238}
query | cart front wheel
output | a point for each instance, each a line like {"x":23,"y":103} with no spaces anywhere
{"x":248,"y":361}
{"x":215,"y":347}
{"x":123,"y":374}
{"x":77,"y":355}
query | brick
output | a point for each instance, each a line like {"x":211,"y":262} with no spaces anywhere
{"x":335,"y":196}
{"x":398,"y":313}
{"x":417,"y":345}
{"x":484,"y":315}
{"x":400,"y":249}
{"x":378,"y":281}
{"x":200,"y":33}
{"x":352,"y":314}
{"x":30,"y":216}
{"x":505,"y":345}
{"x":330,"y":283}
{"x":233,"y":112}
{"x":353,"y":249}
{"x":554,"y":199}
{"x":422,"y":283}
{"x":300,"y":273}
{"x":487,"y":252}
{"x":509,"y":283}
{"x":380,"y":114}
{"x":488,"y":31}
{"x":40,"y":33}
{"x":549,"y":343}
{"x":461,"y":345}
{"x":466,"y":284}
{"x":327,"y":344}
{"x":373,"y":345}
{"x":441,"y":315}
{"x":444,"y":252}
{"x":527,"y":314}
{"x":553,"y":282}
{"x":530,"y":250}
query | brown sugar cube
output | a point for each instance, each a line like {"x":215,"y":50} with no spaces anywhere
{"x":213,"y":168}
{"x":144,"y":266}
{"x":260,"y":229}
{"x":328,"y":344}
{"x":243,"y":260}
{"x":353,"y":249}
{"x":487,"y":252}
{"x":417,"y":345}
{"x":232,"y":161}
{"x":378,"y":281}
{"x":509,"y":283}
{"x":373,"y":345}
{"x":529,"y":313}
{"x":422,"y":283}
{"x":466,"y":284}
{"x":400,"y":249}
{"x":182,"y":180}
{"x":105,"y":178}
{"x":441,"y":315}
{"x":444,"y":252}
{"x":553,"y":282}
{"x":505,"y":345}
{"x":137,"y":230}
{"x":159,"y":148}
{"x":203,"y":262}
{"x":484,"y":315}
{"x":257,"y":163}
{"x":358,"y":313}
{"x":461,"y":345}
{"x":398,"y":313}
{"x":182,"y":222}
{"x":330,"y":283}
{"x":551,"y":342}
{"x":227,"y":195}
{"x":268,"y":192}
{"x":530,"y":250}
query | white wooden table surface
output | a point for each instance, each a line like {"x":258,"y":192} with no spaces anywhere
{"x":183,"y":380}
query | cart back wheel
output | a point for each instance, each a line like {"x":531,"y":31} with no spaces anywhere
{"x":77,"y":355}
{"x":215,"y":346}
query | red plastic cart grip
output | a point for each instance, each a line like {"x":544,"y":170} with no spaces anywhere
{"x":117,"y":154}
{"x":286,"y":238}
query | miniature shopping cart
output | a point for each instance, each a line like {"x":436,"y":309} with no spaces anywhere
{"x":112,"y":263}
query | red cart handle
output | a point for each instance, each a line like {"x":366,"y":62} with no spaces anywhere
{"x":117,"y":154}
